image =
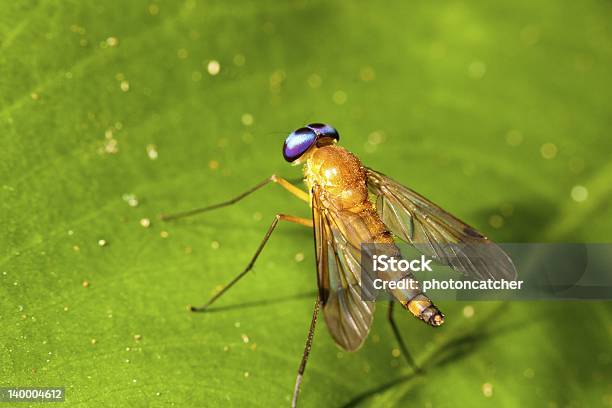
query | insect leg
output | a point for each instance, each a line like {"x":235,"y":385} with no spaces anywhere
{"x":400,"y":340}
{"x":302,"y":195}
{"x":302,"y":368}
{"x":272,"y":179}
{"x":279,"y":217}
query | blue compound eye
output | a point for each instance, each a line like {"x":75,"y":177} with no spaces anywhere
{"x":298,"y":142}
{"x":323,"y":130}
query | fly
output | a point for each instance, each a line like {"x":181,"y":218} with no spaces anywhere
{"x":343,"y":217}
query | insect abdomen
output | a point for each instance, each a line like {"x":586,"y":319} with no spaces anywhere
{"x":423,"y":308}
{"x":411,"y":297}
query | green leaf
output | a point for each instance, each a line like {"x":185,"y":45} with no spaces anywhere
{"x":110,"y":114}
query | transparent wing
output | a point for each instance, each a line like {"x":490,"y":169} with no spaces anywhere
{"x":348,"y":317}
{"x":416,"y":220}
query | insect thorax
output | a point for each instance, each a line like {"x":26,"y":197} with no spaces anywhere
{"x":340,"y":175}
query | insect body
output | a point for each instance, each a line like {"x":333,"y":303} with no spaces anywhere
{"x":338,"y":183}
{"x":344,"y":217}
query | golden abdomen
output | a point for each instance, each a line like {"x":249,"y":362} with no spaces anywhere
{"x":366,"y":226}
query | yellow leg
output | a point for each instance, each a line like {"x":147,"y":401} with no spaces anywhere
{"x":302,"y":195}
{"x":297,"y":220}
